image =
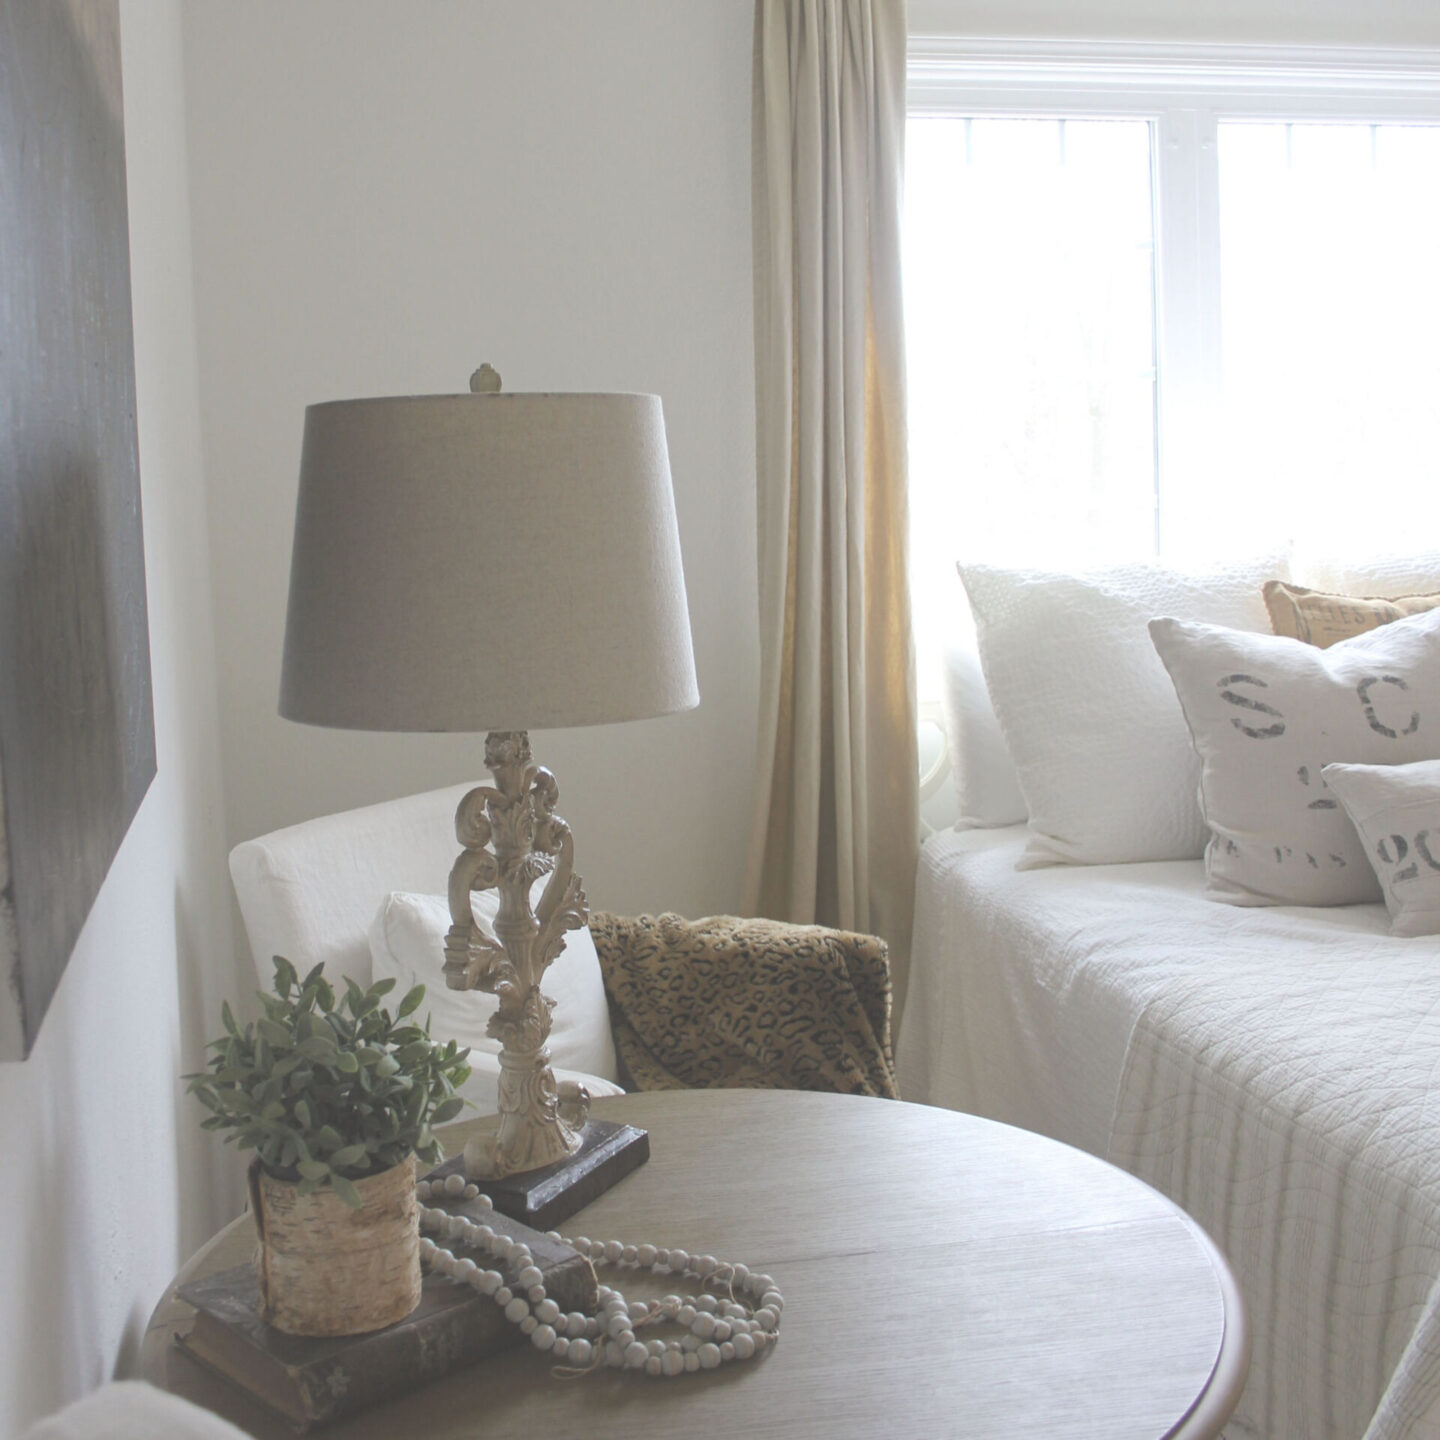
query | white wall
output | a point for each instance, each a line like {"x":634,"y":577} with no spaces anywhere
{"x":386,"y":194}
{"x":1251,"y":22}
{"x":106,"y":1184}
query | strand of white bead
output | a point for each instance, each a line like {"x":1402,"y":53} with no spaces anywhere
{"x":720,"y":1329}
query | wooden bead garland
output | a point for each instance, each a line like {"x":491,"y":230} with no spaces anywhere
{"x":719,"y":1328}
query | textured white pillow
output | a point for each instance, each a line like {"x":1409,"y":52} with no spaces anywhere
{"x":986,"y":785}
{"x":1267,"y":714}
{"x":1396,"y":809}
{"x":1089,"y":718}
{"x":1412,"y":574}
{"x":407,"y":941}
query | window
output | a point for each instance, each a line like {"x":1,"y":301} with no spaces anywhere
{"x":1329,"y":308}
{"x":1167,"y":301}
{"x":1029,"y":272}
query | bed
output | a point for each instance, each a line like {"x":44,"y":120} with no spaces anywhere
{"x":1272,"y":1070}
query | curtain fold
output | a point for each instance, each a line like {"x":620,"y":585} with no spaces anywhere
{"x":834,"y":838}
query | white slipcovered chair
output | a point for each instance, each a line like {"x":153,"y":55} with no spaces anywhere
{"x":362,"y":892}
{"x":132,"y":1410}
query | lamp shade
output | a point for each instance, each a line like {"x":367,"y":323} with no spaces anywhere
{"x":486,"y":562}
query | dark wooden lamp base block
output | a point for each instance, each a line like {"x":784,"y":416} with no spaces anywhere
{"x":543,"y":1198}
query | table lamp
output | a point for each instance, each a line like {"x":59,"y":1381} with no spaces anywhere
{"x":493,"y":562}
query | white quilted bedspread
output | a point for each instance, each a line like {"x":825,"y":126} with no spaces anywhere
{"x":1276,"y":1072}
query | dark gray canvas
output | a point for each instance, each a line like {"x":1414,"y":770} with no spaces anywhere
{"x":77,"y":736}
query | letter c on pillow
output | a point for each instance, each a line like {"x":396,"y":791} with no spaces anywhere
{"x":1376,"y":724}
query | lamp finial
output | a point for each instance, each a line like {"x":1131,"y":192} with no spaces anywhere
{"x":485,"y":381}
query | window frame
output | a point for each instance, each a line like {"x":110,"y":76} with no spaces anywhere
{"x":1185,"y":91}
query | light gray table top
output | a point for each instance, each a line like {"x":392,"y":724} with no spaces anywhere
{"x":943,"y":1276}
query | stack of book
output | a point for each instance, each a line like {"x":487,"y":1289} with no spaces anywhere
{"x":313,"y":1381}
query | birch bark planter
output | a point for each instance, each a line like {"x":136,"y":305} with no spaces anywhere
{"x":325,"y":1269}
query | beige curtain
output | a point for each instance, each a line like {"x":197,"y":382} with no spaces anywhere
{"x":834,"y":838}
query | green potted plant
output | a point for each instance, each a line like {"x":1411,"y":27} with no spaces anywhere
{"x":338,"y":1098}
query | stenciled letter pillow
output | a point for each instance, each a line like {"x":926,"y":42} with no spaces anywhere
{"x":1396,"y":809}
{"x":1267,"y":714}
{"x":407,"y":943}
{"x":1090,"y":719}
{"x":1320,"y":618}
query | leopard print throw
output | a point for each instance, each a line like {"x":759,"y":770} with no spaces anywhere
{"x":726,"y":1002}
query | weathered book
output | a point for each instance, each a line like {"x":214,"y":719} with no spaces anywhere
{"x":313,"y":1381}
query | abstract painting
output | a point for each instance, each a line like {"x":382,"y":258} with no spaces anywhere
{"x":77,"y":734}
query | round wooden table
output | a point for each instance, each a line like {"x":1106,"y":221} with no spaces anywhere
{"x":943,"y":1276}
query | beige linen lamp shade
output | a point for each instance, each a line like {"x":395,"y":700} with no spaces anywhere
{"x":486,"y":562}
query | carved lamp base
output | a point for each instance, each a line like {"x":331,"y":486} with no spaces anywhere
{"x":542,"y":1120}
{"x":512,"y":839}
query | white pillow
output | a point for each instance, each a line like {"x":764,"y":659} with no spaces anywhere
{"x":1267,"y":714}
{"x":1396,"y":809}
{"x":986,"y":785}
{"x":1089,"y":718}
{"x":1413,"y":574}
{"x":407,"y":942}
